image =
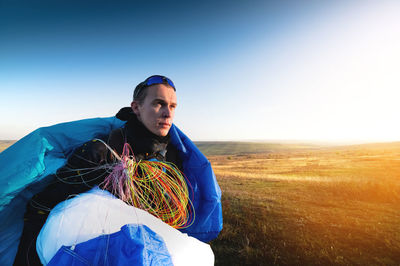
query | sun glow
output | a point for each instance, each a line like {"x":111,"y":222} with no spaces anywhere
{"x":338,"y":79}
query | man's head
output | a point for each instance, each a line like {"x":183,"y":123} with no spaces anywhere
{"x":154,"y":102}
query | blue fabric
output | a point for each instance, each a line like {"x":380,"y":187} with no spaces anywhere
{"x":206,"y":194}
{"x":133,"y":245}
{"x":26,"y":165}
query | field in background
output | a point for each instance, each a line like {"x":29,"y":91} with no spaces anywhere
{"x":319,"y":206}
{"x":4,"y":144}
{"x":294,"y":204}
{"x":237,"y":148}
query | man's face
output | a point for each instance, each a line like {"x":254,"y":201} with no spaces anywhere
{"x":157,"y":110}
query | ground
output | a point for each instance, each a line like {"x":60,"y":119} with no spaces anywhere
{"x":305,"y":204}
{"x":310,"y":206}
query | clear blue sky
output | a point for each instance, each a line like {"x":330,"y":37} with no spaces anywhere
{"x":244,"y":70}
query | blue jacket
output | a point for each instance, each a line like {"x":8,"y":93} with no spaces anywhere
{"x":26,"y":165}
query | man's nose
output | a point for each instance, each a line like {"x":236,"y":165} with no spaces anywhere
{"x":167,"y":112}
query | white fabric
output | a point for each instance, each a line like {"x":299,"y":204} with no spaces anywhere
{"x":98,"y":212}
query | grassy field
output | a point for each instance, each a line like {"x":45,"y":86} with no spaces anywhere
{"x":326,"y":206}
{"x":4,"y":144}
{"x":293,"y":204}
{"x":232,"y":147}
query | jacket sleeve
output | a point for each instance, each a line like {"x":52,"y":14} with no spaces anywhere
{"x":84,"y":166}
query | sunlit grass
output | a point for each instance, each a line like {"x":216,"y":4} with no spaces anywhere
{"x":4,"y":144}
{"x":316,"y":206}
{"x":319,"y":207}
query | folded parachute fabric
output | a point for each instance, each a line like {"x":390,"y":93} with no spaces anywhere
{"x":133,"y":245}
{"x":88,"y":228}
{"x":26,"y":168}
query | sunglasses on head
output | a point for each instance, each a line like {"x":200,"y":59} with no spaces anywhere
{"x":156,"y":79}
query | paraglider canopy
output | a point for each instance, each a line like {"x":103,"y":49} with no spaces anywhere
{"x":26,"y":166}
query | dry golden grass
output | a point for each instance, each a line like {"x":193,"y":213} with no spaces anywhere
{"x":333,"y":206}
{"x":293,"y":206}
{"x":4,"y":144}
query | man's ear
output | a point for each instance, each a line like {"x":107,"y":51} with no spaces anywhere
{"x":135,"y":107}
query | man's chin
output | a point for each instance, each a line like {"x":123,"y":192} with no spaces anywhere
{"x":162,"y":132}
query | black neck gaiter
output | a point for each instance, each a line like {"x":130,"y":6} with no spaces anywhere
{"x":144,"y":143}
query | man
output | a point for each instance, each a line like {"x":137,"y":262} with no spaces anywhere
{"x":147,"y":128}
{"x":148,"y":121}
{"x":154,"y":104}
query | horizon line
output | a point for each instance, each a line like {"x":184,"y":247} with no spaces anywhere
{"x":286,"y":141}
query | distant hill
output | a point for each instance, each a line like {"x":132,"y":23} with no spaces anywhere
{"x":4,"y":144}
{"x":225,"y":147}
{"x":238,"y":147}
{"x":377,"y":146}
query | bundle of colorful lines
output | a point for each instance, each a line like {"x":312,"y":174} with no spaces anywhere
{"x":156,"y":187}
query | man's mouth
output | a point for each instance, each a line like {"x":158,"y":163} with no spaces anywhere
{"x":165,"y":124}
